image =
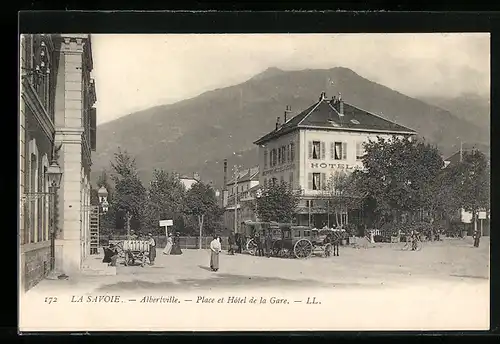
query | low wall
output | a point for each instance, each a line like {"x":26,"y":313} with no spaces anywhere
{"x":185,"y":242}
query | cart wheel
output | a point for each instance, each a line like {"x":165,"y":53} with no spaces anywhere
{"x":251,"y":247}
{"x":327,"y":250}
{"x":303,"y":248}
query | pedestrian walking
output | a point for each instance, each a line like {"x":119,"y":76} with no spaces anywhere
{"x":152,"y":249}
{"x":168,"y":247}
{"x":238,"y":240}
{"x":176,"y":246}
{"x":215,"y":248}
{"x":231,"y":243}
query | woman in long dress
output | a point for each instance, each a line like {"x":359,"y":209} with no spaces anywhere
{"x":215,"y":248}
{"x":176,"y":248}
{"x":168,"y":247}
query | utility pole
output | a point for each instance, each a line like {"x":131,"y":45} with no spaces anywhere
{"x":236,"y":177}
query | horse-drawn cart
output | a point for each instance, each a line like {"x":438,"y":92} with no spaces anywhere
{"x":289,"y":240}
{"x":133,"y":250}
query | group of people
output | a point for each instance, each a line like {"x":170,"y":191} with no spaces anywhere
{"x":172,"y":248}
{"x":264,"y":245}
{"x":235,"y":242}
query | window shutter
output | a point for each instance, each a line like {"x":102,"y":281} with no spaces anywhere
{"x":332,"y":150}
{"x":93,"y":131}
{"x":344,"y":151}
{"x":310,"y":181}
{"x":323,"y":181}
{"x":288,"y":149}
{"x":310,"y":150}
{"x":265,"y":158}
{"x":292,"y":152}
{"x":323,"y":150}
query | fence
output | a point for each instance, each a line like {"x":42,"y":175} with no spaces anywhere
{"x":161,"y":241}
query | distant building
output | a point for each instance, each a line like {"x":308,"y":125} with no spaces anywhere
{"x":189,"y":181}
{"x":304,"y":150}
{"x":242,"y":190}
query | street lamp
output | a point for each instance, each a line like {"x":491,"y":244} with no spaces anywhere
{"x":54,"y":175}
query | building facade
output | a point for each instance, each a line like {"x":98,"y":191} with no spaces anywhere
{"x":57,"y":122}
{"x":242,"y":191}
{"x":306,"y":150}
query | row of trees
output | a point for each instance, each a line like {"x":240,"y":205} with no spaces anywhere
{"x":135,"y":206}
{"x":403,"y":180}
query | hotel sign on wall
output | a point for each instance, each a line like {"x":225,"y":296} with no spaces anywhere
{"x":335,"y":166}
{"x":278,"y":169}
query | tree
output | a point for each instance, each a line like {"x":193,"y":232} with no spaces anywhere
{"x":474,"y":183}
{"x":129,"y":194}
{"x":200,"y":203}
{"x":342,"y":193}
{"x":397,"y":176}
{"x":165,"y":200}
{"x":278,"y":202}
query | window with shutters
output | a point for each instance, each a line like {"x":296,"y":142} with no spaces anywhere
{"x":283,"y":155}
{"x":340,"y":151}
{"x":288,"y":159}
{"x":292,"y":151}
{"x":274,"y":157}
{"x":316,"y":150}
{"x":360,"y":150}
{"x":316,"y":181}
{"x":279,"y":155}
{"x":265,"y":158}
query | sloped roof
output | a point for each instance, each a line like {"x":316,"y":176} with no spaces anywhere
{"x":455,"y":157}
{"x":246,"y":175}
{"x":325,"y":114}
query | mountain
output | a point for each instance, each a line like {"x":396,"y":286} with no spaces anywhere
{"x":470,"y":107}
{"x":195,"y":135}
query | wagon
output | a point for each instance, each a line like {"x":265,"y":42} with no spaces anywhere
{"x":133,"y":250}
{"x":289,"y":240}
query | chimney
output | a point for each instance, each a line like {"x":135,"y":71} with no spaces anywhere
{"x":341,"y":105}
{"x":196,"y":176}
{"x":225,"y":174}
{"x":288,"y":110}
{"x":277,"y":123}
{"x":322,"y":96}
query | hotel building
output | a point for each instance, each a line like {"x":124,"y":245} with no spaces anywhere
{"x":57,"y":123}
{"x":306,"y":149}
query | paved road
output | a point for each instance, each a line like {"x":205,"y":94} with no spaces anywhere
{"x":446,"y":280}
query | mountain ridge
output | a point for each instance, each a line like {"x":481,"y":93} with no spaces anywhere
{"x":196,"y":134}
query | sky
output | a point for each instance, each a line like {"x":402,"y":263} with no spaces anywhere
{"x":136,"y":72}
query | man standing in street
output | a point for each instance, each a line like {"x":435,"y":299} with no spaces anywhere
{"x":476,"y":237}
{"x":269,"y":244}
{"x":231,"y":244}
{"x":152,"y":249}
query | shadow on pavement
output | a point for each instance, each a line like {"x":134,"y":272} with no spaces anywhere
{"x":204,"y":267}
{"x":221,"y":280}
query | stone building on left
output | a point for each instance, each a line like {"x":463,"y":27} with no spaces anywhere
{"x":57,"y":127}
